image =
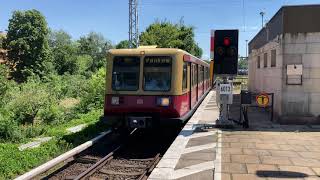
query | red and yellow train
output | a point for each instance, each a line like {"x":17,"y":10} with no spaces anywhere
{"x":153,"y":86}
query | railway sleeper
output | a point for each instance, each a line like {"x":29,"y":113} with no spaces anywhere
{"x":117,"y":164}
{"x":86,"y":160}
{"x":111,"y":172}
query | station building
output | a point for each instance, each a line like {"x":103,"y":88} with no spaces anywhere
{"x":284,"y":59}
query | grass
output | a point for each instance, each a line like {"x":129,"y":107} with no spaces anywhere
{"x":14,"y":162}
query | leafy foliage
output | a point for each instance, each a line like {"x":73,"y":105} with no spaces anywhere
{"x":14,"y":162}
{"x":64,"y":52}
{"x":27,"y":45}
{"x":93,"y":97}
{"x":168,"y":35}
{"x":123,"y":44}
{"x":243,"y":63}
{"x":27,"y":101}
{"x":84,"y":63}
{"x":8,"y":128}
{"x":2,"y":39}
{"x":96,"y":46}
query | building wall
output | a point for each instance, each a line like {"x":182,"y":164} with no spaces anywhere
{"x":302,"y":100}
{"x":267,"y":79}
{"x":291,"y":48}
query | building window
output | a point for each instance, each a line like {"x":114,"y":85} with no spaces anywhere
{"x":265,"y":60}
{"x":258,"y":62}
{"x":273,"y":58}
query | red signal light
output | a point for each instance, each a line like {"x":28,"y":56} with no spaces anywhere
{"x":226,"y":41}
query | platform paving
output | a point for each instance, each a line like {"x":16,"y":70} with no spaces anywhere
{"x":192,"y":154}
{"x":266,"y":150}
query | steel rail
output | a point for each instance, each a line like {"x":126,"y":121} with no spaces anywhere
{"x":48,"y":165}
{"x":100,"y":163}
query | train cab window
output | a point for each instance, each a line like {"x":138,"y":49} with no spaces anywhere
{"x":157,"y":73}
{"x":125,"y":73}
{"x":184,"y":75}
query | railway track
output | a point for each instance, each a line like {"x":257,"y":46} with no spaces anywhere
{"x":133,"y":158}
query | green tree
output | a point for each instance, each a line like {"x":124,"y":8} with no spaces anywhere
{"x":2,"y":38}
{"x":3,"y":82}
{"x":64,"y":52}
{"x":242,"y":63}
{"x":168,"y":35}
{"x":93,"y":96}
{"x":123,"y":44}
{"x":27,"y":45}
{"x":84,"y":63}
{"x":96,"y":46}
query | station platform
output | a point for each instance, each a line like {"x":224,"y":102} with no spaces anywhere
{"x":266,"y":150}
{"x":192,"y":154}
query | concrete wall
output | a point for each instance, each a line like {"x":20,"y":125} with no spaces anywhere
{"x":302,"y":100}
{"x":291,"y":48}
{"x":267,"y":79}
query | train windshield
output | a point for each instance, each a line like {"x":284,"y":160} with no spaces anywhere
{"x":157,"y":73}
{"x":125,"y":74}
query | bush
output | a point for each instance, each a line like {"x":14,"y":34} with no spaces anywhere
{"x":93,"y":97}
{"x":32,"y":131}
{"x":5,"y":85}
{"x":52,"y":114}
{"x":28,"y":100}
{"x":84,"y":63}
{"x":9,"y":129}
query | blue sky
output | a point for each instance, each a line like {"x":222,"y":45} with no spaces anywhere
{"x":110,"y":17}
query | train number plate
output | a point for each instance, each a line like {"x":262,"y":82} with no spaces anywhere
{"x":225,"y":89}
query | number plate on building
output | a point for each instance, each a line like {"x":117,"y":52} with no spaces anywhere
{"x":225,"y":89}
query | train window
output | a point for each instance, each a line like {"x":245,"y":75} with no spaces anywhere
{"x":125,"y":73}
{"x":194,"y":74}
{"x":206,"y":73}
{"x":200,"y":73}
{"x":157,"y":73}
{"x":184,"y":75}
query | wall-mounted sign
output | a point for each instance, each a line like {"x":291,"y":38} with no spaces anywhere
{"x":294,"y":69}
{"x":262,"y":100}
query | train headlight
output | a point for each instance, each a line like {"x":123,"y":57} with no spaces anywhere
{"x":115,"y":100}
{"x":164,"y":101}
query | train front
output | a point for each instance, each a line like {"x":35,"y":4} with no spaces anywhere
{"x":140,"y":91}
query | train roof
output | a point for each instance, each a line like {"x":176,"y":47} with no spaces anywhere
{"x":159,"y":51}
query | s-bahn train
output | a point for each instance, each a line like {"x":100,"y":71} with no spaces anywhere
{"x":149,"y":87}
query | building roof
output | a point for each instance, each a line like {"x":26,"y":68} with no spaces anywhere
{"x":288,"y":19}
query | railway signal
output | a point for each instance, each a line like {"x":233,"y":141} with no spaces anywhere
{"x":226,"y":52}
{"x":225,"y":55}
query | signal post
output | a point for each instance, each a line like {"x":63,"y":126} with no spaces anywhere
{"x":225,"y":55}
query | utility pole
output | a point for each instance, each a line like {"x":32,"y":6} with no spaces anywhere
{"x":262,"y":13}
{"x":133,"y":24}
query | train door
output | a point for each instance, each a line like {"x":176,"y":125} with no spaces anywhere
{"x":193,"y":85}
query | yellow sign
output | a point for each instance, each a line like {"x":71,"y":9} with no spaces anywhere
{"x":262,"y":100}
